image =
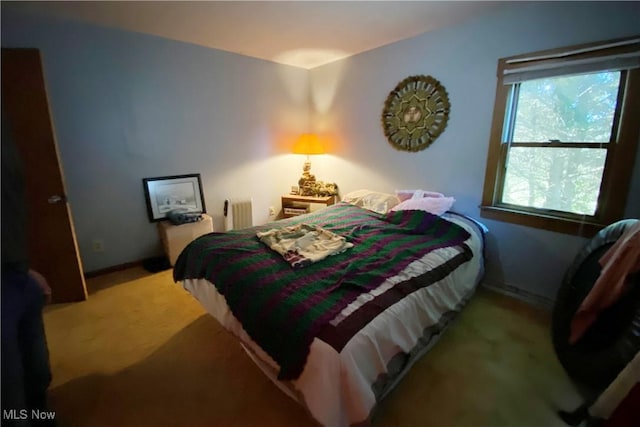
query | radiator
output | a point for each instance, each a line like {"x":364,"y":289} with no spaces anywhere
{"x":238,"y":213}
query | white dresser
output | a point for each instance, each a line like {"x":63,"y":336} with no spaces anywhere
{"x":176,"y":237}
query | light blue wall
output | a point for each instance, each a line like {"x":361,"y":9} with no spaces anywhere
{"x":348,"y":96}
{"x":128,"y":106}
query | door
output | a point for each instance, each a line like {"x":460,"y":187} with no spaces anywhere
{"x":53,"y":250}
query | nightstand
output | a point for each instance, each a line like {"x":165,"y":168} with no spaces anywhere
{"x":293,"y":205}
{"x":176,"y":237}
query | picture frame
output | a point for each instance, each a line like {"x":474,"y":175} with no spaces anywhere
{"x":166,"y":193}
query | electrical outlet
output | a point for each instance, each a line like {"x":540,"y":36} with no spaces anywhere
{"x":97,"y":246}
{"x":272,"y":211}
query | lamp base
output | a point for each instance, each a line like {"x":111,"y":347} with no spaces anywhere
{"x":307,"y":177}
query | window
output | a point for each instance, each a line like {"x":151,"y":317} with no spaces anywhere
{"x":564,"y":135}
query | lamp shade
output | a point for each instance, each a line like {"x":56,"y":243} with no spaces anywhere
{"x":308,"y":143}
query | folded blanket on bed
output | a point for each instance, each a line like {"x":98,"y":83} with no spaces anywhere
{"x":303,"y":244}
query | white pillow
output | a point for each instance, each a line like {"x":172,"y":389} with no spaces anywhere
{"x":434,"y":205}
{"x":414,"y":194}
{"x":372,"y":200}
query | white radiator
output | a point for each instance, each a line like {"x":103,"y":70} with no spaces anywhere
{"x":238,"y":213}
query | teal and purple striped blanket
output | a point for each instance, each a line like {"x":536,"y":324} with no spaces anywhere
{"x":283,"y":309}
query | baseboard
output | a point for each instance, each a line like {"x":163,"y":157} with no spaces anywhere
{"x":521,"y":294}
{"x":112,"y":269}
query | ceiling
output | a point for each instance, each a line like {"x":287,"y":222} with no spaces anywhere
{"x":304,"y":34}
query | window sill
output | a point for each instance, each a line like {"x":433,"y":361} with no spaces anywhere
{"x":545,"y":222}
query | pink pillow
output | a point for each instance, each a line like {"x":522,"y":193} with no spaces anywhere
{"x":434,"y":205}
{"x":408,"y":194}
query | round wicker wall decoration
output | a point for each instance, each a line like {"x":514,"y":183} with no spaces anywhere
{"x":415,"y":113}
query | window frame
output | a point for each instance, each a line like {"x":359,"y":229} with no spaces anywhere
{"x":621,"y":150}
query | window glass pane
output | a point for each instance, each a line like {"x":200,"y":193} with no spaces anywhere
{"x":576,"y":108}
{"x":563,"y":179}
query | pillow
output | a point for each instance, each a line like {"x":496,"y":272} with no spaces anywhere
{"x":372,"y":200}
{"x":409,"y":194}
{"x":434,"y":205}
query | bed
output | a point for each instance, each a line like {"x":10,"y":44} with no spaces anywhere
{"x":339,"y":333}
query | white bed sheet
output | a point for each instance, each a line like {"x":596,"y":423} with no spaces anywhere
{"x":336,"y":388}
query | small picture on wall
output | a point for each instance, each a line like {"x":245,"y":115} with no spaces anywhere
{"x":167,"y":193}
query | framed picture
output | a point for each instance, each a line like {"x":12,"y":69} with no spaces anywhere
{"x":167,"y":193}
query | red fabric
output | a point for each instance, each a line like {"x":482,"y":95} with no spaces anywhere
{"x":622,"y":259}
{"x":627,"y":414}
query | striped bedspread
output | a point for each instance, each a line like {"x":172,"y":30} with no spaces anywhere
{"x":283,"y":309}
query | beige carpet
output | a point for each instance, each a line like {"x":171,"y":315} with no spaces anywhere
{"x":142,"y":352}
